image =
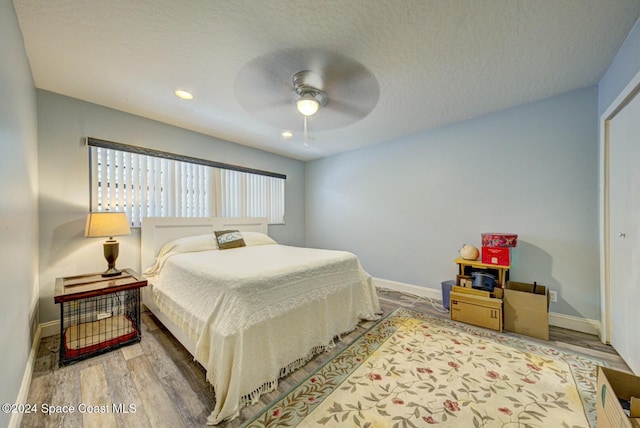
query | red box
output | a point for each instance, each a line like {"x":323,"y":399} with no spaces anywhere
{"x":499,"y":240}
{"x":496,"y":256}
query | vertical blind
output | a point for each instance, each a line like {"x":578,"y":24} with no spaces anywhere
{"x":147,"y":186}
{"x":251,"y":195}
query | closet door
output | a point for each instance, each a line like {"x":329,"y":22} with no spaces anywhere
{"x":624,"y":239}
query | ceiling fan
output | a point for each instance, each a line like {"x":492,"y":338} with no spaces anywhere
{"x":327,"y":88}
{"x":308,"y":97}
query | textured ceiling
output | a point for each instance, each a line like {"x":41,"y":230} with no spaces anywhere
{"x":435,"y":62}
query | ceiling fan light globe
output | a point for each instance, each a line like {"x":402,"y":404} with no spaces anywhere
{"x":307,"y":105}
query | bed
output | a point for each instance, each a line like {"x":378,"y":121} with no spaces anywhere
{"x":251,"y":314}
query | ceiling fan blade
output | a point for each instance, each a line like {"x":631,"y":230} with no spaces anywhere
{"x":340,"y":72}
{"x":261,"y":85}
{"x":264,"y":86}
{"x":350,"y":109}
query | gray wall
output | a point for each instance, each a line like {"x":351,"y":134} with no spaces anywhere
{"x":624,"y":67}
{"x":18,"y":207}
{"x":63,"y":123}
{"x":406,"y":207}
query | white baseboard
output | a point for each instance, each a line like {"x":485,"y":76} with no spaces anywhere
{"x":23,"y":394}
{"x":408,"y":288}
{"x":50,"y":328}
{"x":569,"y":322}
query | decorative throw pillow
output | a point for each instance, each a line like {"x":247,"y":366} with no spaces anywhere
{"x":229,"y":239}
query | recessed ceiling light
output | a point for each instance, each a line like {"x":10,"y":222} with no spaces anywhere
{"x":185,"y":95}
{"x":287,"y":134}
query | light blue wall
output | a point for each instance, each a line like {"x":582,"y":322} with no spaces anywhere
{"x":406,"y":207}
{"x":18,"y":207}
{"x":624,"y":67}
{"x":63,"y":123}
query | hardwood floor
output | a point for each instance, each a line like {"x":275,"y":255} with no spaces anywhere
{"x":156,"y":383}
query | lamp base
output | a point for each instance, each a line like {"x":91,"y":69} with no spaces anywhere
{"x":111,"y":250}
{"x":111,"y":272}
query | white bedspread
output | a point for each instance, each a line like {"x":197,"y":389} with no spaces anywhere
{"x":259,"y":312}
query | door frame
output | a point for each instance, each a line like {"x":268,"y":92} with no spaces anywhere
{"x":622,"y":100}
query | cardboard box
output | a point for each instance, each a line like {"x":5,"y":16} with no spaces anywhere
{"x":614,"y":386}
{"x":496,"y":256}
{"x":527,"y":311}
{"x":497,"y":293}
{"x":476,"y":307}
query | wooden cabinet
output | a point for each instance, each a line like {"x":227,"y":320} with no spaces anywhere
{"x":97,"y":314}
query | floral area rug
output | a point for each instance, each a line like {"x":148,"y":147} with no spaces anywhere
{"x":411,"y":369}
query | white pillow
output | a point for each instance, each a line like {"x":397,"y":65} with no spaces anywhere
{"x":188,"y":244}
{"x":257,"y":238}
{"x":204,"y":242}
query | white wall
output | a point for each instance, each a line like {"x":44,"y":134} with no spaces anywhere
{"x":406,"y":207}
{"x":63,"y":123}
{"x":18,"y":207}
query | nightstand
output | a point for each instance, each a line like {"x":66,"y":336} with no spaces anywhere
{"x":98,"y":314}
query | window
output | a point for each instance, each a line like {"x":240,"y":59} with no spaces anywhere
{"x":251,"y":195}
{"x":147,"y":183}
{"x":146,"y":186}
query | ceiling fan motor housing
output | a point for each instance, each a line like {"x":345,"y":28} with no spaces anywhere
{"x":307,"y":83}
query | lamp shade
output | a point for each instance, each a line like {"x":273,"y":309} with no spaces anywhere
{"x":101,"y":224}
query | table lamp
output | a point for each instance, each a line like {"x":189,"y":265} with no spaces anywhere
{"x":108,"y":224}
